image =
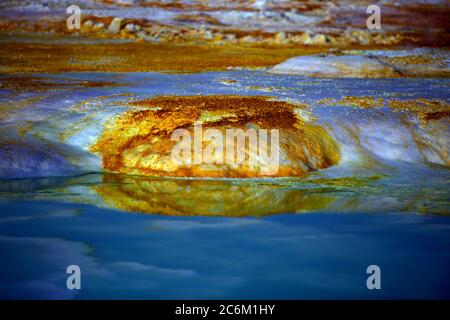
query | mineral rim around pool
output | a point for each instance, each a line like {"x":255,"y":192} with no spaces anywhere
{"x":140,"y":141}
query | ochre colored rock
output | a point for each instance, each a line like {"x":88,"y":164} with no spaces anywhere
{"x":139,"y":141}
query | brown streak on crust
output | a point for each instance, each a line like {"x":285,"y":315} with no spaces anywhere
{"x":136,"y":57}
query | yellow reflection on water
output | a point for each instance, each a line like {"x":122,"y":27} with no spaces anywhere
{"x":206,"y":197}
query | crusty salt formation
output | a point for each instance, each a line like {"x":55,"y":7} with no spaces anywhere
{"x":139,"y":141}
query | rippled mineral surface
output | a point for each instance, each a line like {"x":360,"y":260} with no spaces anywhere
{"x":87,"y":177}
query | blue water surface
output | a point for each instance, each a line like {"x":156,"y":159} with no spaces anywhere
{"x":287,"y":256}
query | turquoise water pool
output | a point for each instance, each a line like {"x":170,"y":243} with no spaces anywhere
{"x":287,"y":256}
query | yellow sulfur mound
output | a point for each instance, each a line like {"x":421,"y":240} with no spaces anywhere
{"x":140,"y":141}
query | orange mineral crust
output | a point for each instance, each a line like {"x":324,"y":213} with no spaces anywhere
{"x":424,"y":109}
{"x":42,"y":84}
{"x":139,"y":141}
{"x":140,"y":57}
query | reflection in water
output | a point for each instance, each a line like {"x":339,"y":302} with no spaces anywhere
{"x":206,"y":197}
{"x":240,"y":197}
